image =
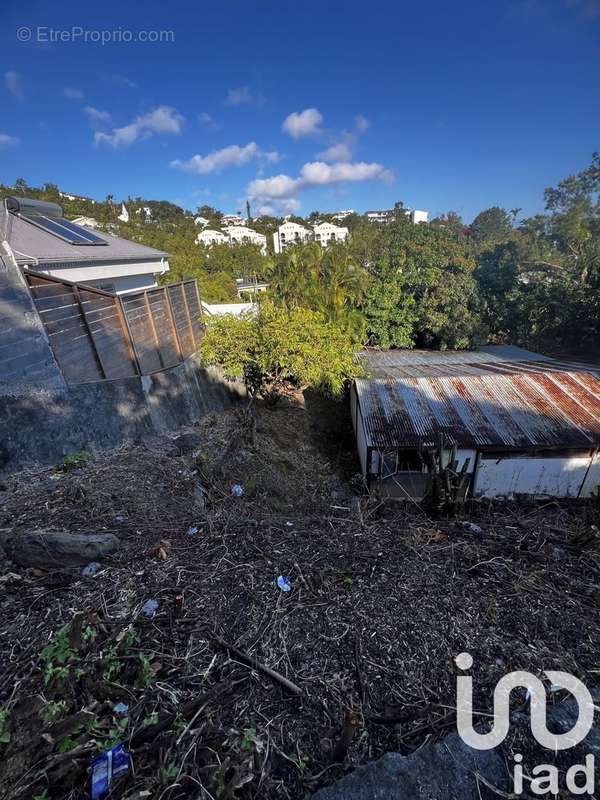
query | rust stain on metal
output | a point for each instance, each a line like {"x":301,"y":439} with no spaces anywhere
{"x":520,"y":404}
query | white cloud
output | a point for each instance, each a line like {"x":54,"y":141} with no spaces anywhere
{"x":280,"y":208}
{"x":96,"y":116}
{"x":341,"y":151}
{"x":271,"y":188}
{"x":232,"y":156}
{"x":207,"y":121}
{"x":123,"y":80}
{"x":73,"y":94}
{"x":361,"y":123}
{"x":7,"y":141}
{"x":163,"y":119}
{"x":315,"y":173}
{"x":303,"y":123}
{"x":241,"y":95}
{"x":14,"y":84}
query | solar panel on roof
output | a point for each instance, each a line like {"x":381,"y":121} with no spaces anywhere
{"x":64,"y":229}
{"x":77,"y":229}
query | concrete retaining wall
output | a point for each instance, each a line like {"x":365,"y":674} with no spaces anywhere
{"x":43,"y":425}
{"x":25,"y":354}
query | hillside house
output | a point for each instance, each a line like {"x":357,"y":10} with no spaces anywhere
{"x":40,"y":238}
{"x":325,"y":233}
{"x":208,"y":237}
{"x":290,"y":233}
{"x":241,"y":234}
{"x":518,"y":423}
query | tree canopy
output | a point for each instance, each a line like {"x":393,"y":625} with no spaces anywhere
{"x":276,"y":345}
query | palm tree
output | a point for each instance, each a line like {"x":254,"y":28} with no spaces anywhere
{"x":328,"y":280}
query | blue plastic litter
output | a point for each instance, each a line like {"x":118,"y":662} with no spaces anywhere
{"x":150,"y":608}
{"x":111,"y":765}
{"x":192,"y":530}
{"x":284,"y":583}
{"x":91,"y":569}
{"x":237,"y":490}
{"x":122,"y":709}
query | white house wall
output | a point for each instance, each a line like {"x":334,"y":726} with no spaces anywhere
{"x":541,"y":477}
{"x":94,"y":272}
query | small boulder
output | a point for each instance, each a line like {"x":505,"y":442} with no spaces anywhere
{"x":59,"y":549}
{"x":187,"y":443}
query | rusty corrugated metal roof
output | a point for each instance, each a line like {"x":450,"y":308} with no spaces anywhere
{"x":503,"y":359}
{"x":497,"y":405}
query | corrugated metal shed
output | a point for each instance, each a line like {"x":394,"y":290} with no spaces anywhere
{"x":478,"y":400}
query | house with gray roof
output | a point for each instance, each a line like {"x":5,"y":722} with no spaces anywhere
{"x":37,"y":236}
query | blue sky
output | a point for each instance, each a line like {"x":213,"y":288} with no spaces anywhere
{"x":302,"y":106}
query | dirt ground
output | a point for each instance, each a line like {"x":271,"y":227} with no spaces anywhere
{"x":383,"y":598}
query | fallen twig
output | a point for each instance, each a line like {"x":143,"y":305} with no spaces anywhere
{"x":252,"y":662}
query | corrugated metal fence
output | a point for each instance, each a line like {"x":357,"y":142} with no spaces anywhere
{"x":96,"y":335}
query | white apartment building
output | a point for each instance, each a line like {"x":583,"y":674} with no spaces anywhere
{"x":209,"y":237}
{"x":341,"y":215}
{"x":233,"y":235}
{"x":325,"y":233}
{"x":240,"y":234}
{"x":233,"y":219}
{"x":387,"y":215}
{"x":288,"y":234}
{"x":201,"y":221}
{"x":419,"y":216}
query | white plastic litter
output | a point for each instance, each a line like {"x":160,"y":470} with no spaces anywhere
{"x":470,"y":526}
{"x":91,"y":569}
{"x":284,"y":583}
{"x":150,"y":608}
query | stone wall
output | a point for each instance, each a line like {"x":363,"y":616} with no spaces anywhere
{"x":43,"y":425}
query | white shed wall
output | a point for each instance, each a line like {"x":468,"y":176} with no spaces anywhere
{"x":592,"y":481}
{"x":544,"y":477}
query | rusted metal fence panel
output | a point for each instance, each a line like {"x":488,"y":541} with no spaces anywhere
{"x":96,"y":335}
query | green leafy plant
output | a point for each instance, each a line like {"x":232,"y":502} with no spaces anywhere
{"x":151,"y":719}
{"x":169,"y":772}
{"x":66,"y":744}
{"x":58,"y":655}
{"x":146,"y":670}
{"x":115,"y":734}
{"x":52,"y":711}
{"x":74,"y":461}
{"x":4,"y":734}
{"x":250,"y":740}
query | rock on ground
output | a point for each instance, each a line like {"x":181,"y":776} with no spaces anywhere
{"x":442,"y":770}
{"x":447,"y":769}
{"x":57,"y":549}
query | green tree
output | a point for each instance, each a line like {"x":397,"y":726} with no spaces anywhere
{"x":277,"y":346}
{"x":328,"y":280}
{"x":491,"y":226}
{"x":423,"y":290}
